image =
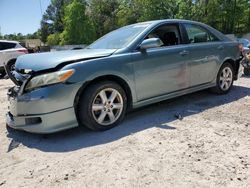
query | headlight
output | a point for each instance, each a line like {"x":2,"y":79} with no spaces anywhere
{"x":50,"y":78}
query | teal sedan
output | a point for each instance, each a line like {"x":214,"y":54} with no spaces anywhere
{"x":130,"y":67}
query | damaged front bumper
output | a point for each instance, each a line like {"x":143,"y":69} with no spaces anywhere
{"x":43,"y":110}
{"x":43,"y":123}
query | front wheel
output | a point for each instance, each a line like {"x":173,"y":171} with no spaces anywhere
{"x":225,"y":79}
{"x":102,"y":106}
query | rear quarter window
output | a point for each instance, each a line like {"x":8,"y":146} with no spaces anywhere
{"x":19,"y":45}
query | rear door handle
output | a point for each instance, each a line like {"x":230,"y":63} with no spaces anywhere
{"x":184,"y":52}
{"x":220,"y":47}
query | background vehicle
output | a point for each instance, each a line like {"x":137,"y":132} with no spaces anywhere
{"x":9,"y":50}
{"x":245,"y":60}
{"x":245,"y":50}
{"x":244,"y":42}
{"x":133,"y":66}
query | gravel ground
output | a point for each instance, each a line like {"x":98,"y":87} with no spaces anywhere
{"x":209,"y":147}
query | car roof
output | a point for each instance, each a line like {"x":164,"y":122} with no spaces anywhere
{"x":10,"y":41}
{"x":169,"y":21}
{"x":211,"y":29}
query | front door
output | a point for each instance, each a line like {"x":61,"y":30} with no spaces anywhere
{"x":161,"y":70}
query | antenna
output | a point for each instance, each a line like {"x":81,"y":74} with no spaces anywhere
{"x":41,"y":7}
{"x":1,"y":36}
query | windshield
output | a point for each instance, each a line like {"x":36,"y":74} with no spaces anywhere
{"x":119,"y":38}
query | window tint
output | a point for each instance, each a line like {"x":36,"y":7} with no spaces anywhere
{"x":7,"y":45}
{"x":168,"y":34}
{"x":197,"y":34}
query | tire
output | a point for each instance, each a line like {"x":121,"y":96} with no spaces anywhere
{"x":11,"y":65}
{"x":2,"y":73}
{"x":225,"y":79}
{"x":247,"y":71}
{"x":100,"y":113}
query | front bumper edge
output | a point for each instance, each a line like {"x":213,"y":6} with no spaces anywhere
{"x":50,"y":122}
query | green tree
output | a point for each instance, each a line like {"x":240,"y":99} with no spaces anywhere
{"x":52,"y":21}
{"x":158,"y":9}
{"x":45,"y":31}
{"x":103,"y":14}
{"x":55,"y":13}
{"x":128,"y":12}
{"x":81,"y":21}
{"x":131,"y":11}
{"x":78,"y":28}
{"x":228,"y":16}
{"x":53,"y":39}
{"x":186,"y":9}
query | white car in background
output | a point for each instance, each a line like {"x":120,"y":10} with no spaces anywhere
{"x":9,"y":51}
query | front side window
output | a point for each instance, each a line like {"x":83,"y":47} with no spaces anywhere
{"x":168,"y":34}
{"x":197,"y":34}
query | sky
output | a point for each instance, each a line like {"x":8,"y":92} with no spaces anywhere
{"x":21,"y":16}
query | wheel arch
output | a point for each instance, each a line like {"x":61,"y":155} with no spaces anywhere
{"x":113,"y":78}
{"x":235,"y":64}
{"x":12,"y":60}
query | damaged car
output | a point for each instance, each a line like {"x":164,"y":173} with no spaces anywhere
{"x":131,"y":67}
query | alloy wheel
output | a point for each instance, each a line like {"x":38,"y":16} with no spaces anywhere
{"x":226,"y":78}
{"x":107,"y":106}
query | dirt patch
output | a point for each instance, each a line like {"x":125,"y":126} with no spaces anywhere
{"x":199,"y":140}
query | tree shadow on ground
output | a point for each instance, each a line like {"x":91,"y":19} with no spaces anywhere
{"x":157,"y":115}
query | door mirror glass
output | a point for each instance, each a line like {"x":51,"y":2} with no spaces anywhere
{"x":151,"y":43}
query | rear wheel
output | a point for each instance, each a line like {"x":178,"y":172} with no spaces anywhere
{"x":2,"y":73}
{"x":225,"y":79}
{"x":102,"y":106}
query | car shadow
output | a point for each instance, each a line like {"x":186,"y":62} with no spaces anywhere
{"x":245,"y":76}
{"x":157,"y":115}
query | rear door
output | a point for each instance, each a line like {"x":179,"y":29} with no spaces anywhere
{"x":7,"y":45}
{"x":204,"y":52}
{"x":7,"y":52}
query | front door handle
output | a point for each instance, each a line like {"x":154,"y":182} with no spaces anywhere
{"x":184,"y":52}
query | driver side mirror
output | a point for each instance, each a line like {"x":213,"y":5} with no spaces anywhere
{"x":150,"y":43}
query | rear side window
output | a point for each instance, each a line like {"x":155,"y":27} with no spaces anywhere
{"x":7,"y":45}
{"x":197,"y":34}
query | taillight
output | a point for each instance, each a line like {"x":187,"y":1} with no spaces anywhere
{"x":23,"y":51}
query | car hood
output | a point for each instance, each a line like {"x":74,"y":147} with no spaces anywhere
{"x":42,"y":61}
